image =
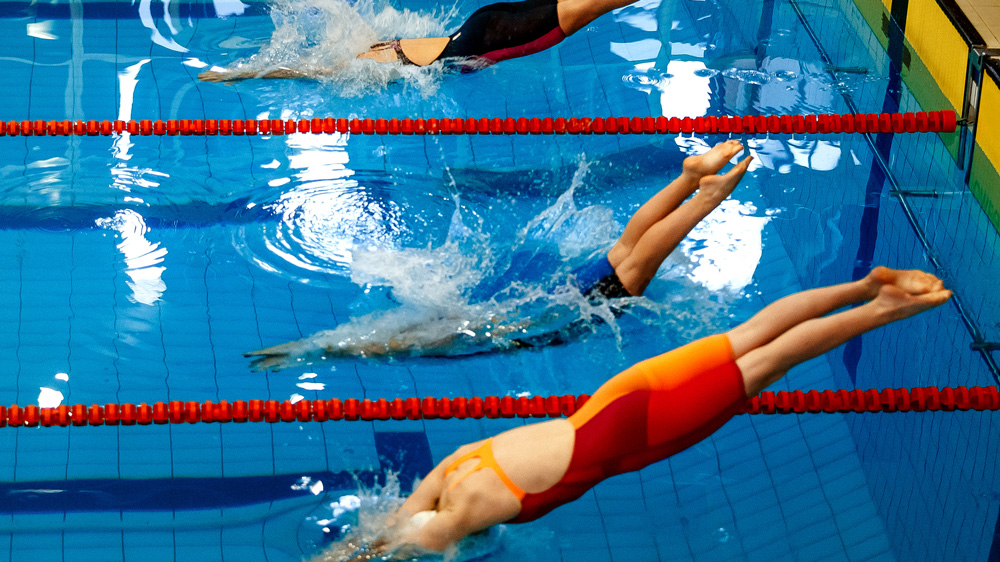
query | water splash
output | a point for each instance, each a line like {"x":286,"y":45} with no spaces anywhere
{"x":350,"y":524}
{"x":322,"y":38}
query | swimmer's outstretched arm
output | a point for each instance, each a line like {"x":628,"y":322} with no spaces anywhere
{"x":237,"y":75}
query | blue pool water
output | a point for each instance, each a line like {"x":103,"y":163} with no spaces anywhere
{"x":140,"y":269}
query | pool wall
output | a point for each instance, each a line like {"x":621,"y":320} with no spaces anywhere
{"x":943,"y":38}
{"x":932,"y":477}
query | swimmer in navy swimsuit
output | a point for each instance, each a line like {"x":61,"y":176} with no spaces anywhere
{"x":653,"y":232}
{"x":652,"y":410}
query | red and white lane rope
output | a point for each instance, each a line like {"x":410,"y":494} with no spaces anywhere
{"x":918,"y":122}
{"x":888,"y":400}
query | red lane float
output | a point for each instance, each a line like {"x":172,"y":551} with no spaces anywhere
{"x":888,"y":400}
{"x":918,"y":122}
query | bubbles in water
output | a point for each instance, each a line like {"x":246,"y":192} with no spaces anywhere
{"x":785,"y":75}
{"x":747,"y":75}
{"x":647,"y":81}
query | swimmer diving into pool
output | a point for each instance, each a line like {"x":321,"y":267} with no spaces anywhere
{"x":653,"y":232}
{"x":493,"y":33}
{"x":648,"y":412}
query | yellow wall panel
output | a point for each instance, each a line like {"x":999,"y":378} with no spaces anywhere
{"x":988,"y":125}
{"x":983,"y":179}
{"x":942,"y":49}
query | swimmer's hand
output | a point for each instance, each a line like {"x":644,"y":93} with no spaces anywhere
{"x":397,"y":544}
{"x":315,"y":347}
{"x":279,"y":357}
{"x":223,"y":75}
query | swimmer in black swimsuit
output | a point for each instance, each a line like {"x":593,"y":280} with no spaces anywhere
{"x":493,"y":33}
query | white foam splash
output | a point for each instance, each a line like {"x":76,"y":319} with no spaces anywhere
{"x":322,"y":38}
{"x":361,"y":519}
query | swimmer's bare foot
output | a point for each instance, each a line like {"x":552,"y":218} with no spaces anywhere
{"x":897,"y":303}
{"x":712,"y":161}
{"x":717,"y":187}
{"x":911,"y":281}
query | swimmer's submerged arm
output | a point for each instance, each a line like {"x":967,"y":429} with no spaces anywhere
{"x":238,"y":75}
{"x":444,"y":529}
{"x":426,"y":496}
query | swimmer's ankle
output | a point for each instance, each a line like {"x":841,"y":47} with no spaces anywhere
{"x":690,"y":177}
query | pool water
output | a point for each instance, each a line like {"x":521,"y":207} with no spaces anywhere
{"x":140,"y":269}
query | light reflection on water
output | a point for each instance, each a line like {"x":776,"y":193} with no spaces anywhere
{"x":142,"y":257}
{"x":321,"y":222}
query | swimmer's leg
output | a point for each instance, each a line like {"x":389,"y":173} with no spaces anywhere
{"x":670,"y":197}
{"x":785,"y":313}
{"x":574,"y":15}
{"x":799,"y":332}
{"x":639,"y":266}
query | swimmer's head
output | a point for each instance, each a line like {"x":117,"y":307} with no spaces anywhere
{"x":420,"y":519}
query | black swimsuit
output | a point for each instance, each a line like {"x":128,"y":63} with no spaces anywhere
{"x":504,"y":31}
{"x":599,"y":278}
{"x":609,"y":287}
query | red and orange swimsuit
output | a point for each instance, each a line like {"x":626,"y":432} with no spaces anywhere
{"x":652,"y":410}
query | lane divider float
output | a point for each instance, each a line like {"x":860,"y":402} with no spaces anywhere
{"x":912,"y":122}
{"x":887,"y":400}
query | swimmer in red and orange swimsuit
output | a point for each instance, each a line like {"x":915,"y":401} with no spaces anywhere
{"x":652,"y":410}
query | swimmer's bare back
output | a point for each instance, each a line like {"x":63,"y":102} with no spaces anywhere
{"x":419,"y":52}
